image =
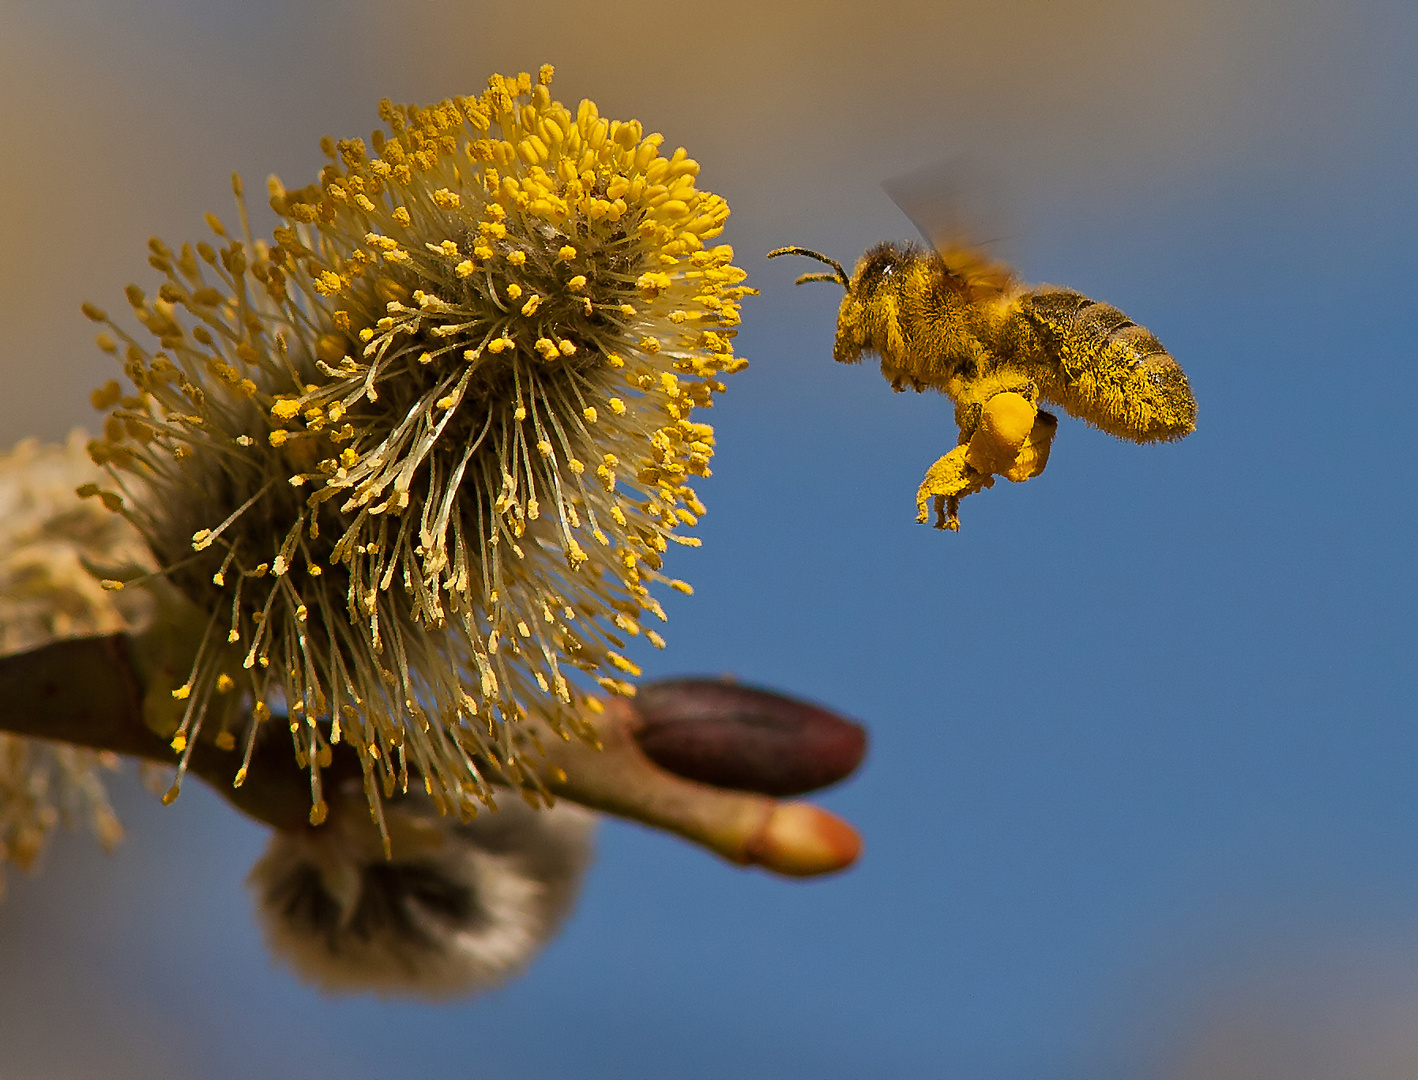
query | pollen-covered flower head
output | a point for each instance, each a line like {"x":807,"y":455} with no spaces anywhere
{"x":420,"y":458}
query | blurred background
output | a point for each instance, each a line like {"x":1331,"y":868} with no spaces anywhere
{"x":1142,"y":799}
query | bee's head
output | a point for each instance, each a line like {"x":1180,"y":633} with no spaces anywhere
{"x":875,"y":268}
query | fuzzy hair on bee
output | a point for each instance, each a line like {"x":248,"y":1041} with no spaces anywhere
{"x":953,"y":320}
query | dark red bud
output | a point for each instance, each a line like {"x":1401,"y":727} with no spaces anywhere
{"x":737,"y":737}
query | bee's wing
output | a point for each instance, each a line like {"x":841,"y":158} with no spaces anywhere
{"x":959,"y":209}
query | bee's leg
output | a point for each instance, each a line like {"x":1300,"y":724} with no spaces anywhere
{"x":1006,"y":422}
{"x":1034,"y":454}
{"x":947,"y":513}
{"x":948,"y":481}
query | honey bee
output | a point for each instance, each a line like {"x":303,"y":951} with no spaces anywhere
{"x":952,"y":319}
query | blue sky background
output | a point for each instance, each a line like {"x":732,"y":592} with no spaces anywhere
{"x":1142,"y":796}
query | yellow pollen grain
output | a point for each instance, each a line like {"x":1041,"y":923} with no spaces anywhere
{"x":517,"y":258}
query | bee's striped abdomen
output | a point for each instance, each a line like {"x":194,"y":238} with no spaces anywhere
{"x":1107,"y":370}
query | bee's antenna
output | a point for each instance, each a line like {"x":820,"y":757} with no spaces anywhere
{"x":840,"y":276}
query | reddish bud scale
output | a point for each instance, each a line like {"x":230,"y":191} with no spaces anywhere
{"x":737,"y":737}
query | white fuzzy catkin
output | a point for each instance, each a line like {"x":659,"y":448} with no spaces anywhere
{"x":459,"y":908}
{"x":49,"y":540}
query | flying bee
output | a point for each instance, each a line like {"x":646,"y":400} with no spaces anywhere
{"x":952,"y":319}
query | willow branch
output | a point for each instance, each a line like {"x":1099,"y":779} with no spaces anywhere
{"x":91,"y":692}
